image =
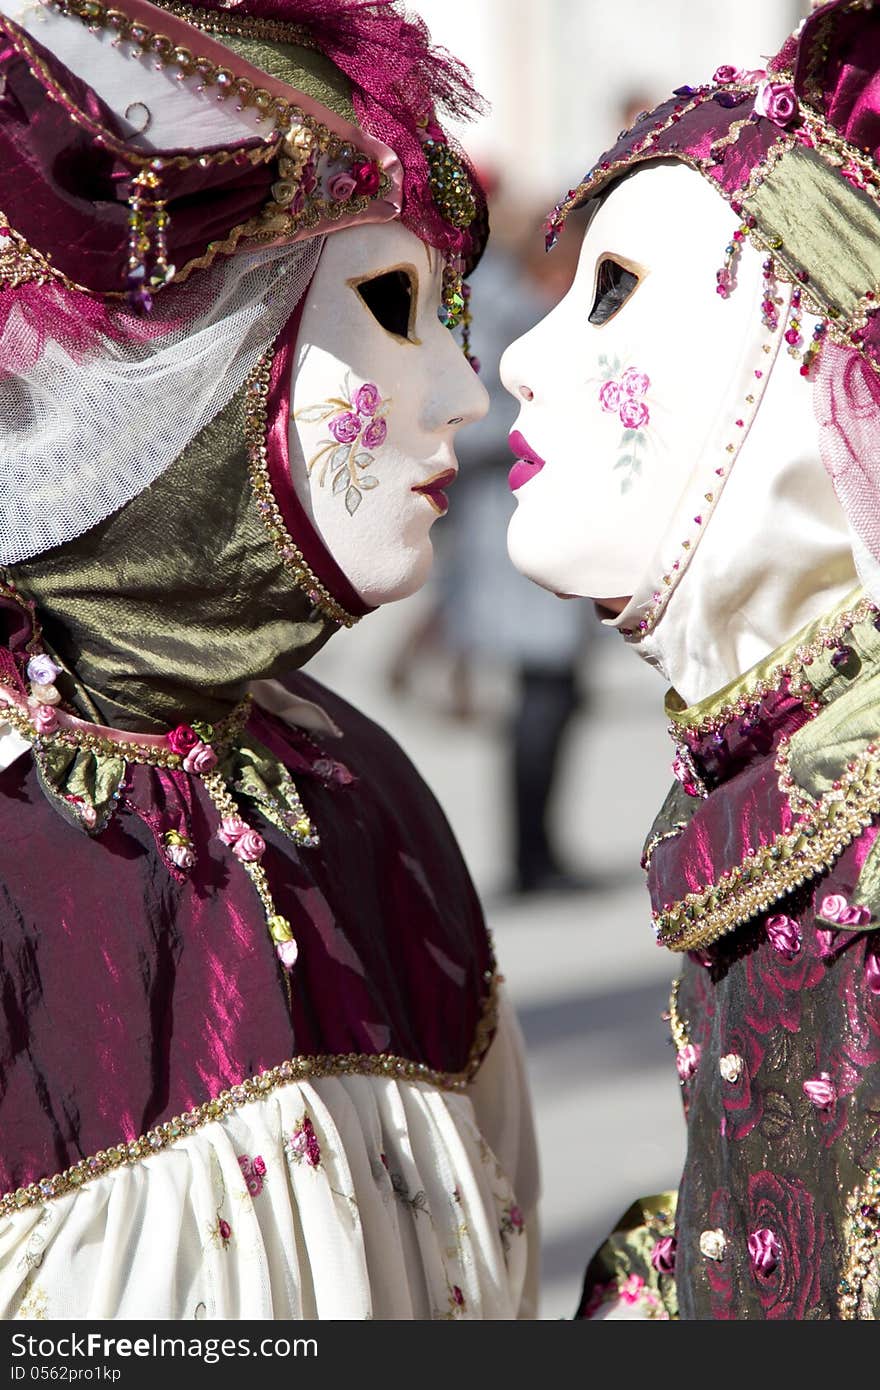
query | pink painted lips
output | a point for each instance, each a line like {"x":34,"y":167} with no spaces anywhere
{"x":433,"y":490}
{"x":528,"y":463}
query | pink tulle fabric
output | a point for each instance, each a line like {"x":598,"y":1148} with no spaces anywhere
{"x":846,"y":401}
{"x":399,"y":78}
{"x":32,"y":313}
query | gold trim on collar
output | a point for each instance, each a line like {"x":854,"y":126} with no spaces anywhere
{"x":829,"y":824}
{"x":790,"y":661}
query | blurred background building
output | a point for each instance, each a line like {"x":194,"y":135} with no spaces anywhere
{"x":480,"y":709}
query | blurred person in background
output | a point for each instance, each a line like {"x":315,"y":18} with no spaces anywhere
{"x":701,"y":417}
{"x":485,"y":614}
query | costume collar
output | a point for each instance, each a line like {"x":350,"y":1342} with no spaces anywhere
{"x":789,"y":754}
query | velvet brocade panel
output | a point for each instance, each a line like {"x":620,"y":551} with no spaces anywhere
{"x":129,"y":998}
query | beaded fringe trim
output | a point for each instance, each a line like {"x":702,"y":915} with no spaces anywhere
{"x":254,"y":1088}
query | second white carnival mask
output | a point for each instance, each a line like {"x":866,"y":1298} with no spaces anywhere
{"x":638,"y":377}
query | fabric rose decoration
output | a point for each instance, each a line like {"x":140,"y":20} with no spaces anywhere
{"x":249,"y":847}
{"x":366,"y":177}
{"x":742,"y":1098}
{"x":663,"y":1255}
{"x":45,"y":694}
{"x":784,"y":1206}
{"x":687,"y":1059}
{"x":835,"y":908}
{"x":182,"y":740}
{"x":726,"y":73}
{"x":784,"y":935}
{"x":254,"y":1171}
{"x":200,"y":759}
{"x":45,"y":719}
{"x":340,"y":187}
{"x":42,"y":670}
{"x":872,"y":972}
{"x":821,"y":1091}
{"x":777,"y":101}
{"x":763,"y":1252}
{"x":231,"y":829}
{"x":181,"y":856}
{"x":287,"y":952}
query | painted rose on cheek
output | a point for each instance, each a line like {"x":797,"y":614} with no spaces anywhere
{"x":622,"y":393}
{"x":357,"y":423}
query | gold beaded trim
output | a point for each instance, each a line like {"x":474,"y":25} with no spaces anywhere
{"x":258,"y":1087}
{"x":284,"y":114}
{"x":752,"y":688}
{"x":22,"y":264}
{"x":279,"y":927}
{"x":829,"y":825}
{"x":286,"y":548}
{"x":242,"y":25}
{"x":226,"y":731}
{"x":672,"y":834}
{"x":863,"y":1234}
{"x":167,"y":55}
{"x":677,"y":1026}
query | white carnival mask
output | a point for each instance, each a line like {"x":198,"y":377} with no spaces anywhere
{"x":380,"y":388}
{"x":624,"y":386}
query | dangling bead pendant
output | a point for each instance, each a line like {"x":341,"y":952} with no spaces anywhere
{"x":770,"y":300}
{"x":726,"y":276}
{"x":793,"y":335}
{"x":811,"y":355}
{"x":455,"y":308}
{"x":148,"y":267}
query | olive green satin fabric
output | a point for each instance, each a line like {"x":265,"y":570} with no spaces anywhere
{"x":824,"y":223}
{"x":622,"y":1268}
{"x":169,"y":607}
{"x":303,"y":68}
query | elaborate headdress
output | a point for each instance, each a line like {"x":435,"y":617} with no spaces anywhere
{"x":795,"y":151}
{"x":169,"y":173}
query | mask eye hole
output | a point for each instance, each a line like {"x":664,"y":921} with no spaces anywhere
{"x":391,"y":299}
{"x":614,"y":285}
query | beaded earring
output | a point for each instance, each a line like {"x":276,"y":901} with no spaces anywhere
{"x":770,"y":299}
{"x":147,"y":244}
{"x":726,"y":276}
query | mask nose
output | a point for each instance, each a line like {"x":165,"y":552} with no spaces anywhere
{"x":513,"y":373}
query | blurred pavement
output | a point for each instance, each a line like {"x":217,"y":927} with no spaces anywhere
{"x":583,"y":970}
